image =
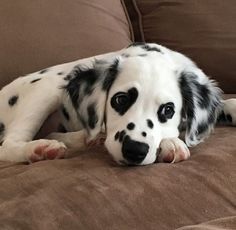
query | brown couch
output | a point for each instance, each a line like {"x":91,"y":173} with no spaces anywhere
{"x":89,"y":191}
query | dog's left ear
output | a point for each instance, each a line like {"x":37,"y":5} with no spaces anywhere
{"x":88,"y":89}
{"x":201,"y":104}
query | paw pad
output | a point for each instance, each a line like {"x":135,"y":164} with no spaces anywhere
{"x":48,"y":151}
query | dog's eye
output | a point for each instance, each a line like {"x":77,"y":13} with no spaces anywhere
{"x":121,"y":99}
{"x":166,"y":111}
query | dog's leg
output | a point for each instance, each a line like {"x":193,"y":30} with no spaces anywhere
{"x":18,"y":134}
{"x":17,"y":148}
{"x":76,"y":141}
{"x":173,"y":150}
{"x":32,"y":151}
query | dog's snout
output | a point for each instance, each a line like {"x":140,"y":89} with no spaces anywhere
{"x":134,"y":151}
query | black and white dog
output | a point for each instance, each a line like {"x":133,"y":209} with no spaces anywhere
{"x":141,"y":95}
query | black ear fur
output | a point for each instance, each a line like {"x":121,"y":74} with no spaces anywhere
{"x":81,"y":82}
{"x":110,"y":74}
{"x":201,"y":105}
{"x":88,"y":88}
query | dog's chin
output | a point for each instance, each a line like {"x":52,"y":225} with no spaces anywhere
{"x":124,"y":162}
{"x":130,"y":164}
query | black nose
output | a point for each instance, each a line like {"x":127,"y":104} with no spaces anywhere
{"x":134,"y":151}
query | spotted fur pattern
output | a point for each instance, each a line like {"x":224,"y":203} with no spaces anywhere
{"x":141,"y":95}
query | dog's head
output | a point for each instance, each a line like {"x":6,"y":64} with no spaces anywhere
{"x":142,"y":99}
{"x":143,"y":107}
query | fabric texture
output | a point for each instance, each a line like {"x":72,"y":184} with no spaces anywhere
{"x":226,"y":223}
{"x":90,"y":191}
{"x":204,"y":30}
{"x":40,"y":33}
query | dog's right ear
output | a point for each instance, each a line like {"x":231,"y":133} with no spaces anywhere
{"x":88,"y":89}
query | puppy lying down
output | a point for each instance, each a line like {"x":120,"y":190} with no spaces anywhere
{"x":142,"y":95}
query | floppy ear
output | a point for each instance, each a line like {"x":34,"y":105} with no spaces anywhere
{"x":201,"y":104}
{"x":88,"y":89}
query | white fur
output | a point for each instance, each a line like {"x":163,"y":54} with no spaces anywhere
{"x":146,"y":75}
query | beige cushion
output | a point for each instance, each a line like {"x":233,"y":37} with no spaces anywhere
{"x":40,"y":33}
{"x":203,"y":30}
{"x":90,"y":191}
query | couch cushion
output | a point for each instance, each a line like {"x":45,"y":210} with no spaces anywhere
{"x":203,"y":30}
{"x":91,"y":192}
{"x":40,"y":33}
{"x":225,"y":223}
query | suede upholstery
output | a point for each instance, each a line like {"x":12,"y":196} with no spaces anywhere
{"x":201,"y":29}
{"x":90,"y":191}
{"x":38,"y":34}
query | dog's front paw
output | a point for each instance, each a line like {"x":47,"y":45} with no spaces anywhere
{"x":99,"y":140}
{"x":46,"y":150}
{"x":173,"y":150}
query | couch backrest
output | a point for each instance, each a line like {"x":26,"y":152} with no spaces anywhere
{"x":204,"y":30}
{"x":41,"y":33}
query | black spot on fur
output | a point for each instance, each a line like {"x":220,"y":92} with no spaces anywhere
{"x":80,"y":79}
{"x":144,"y":134}
{"x":197,"y":97}
{"x":150,"y":123}
{"x":131,"y":95}
{"x":222,"y":118}
{"x":84,"y":124}
{"x":110,"y":76}
{"x":60,"y":73}
{"x":187,"y":95}
{"x":192,"y":137}
{"x":61,"y":129}
{"x":92,"y":116}
{"x":35,"y":80}
{"x":201,"y":128}
{"x":67,"y":78}
{"x":117,"y":135}
{"x":211,"y":118}
{"x":65,"y":113}
{"x":125,"y":55}
{"x":229,"y":118}
{"x":43,"y":71}
{"x":204,"y":95}
{"x":122,"y":134}
{"x":142,"y":55}
{"x":136,"y":44}
{"x":148,"y":48}
{"x":182,"y":126}
{"x":2,"y":128}
{"x":13,"y":100}
{"x":145,"y":46}
{"x":131,"y":126}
